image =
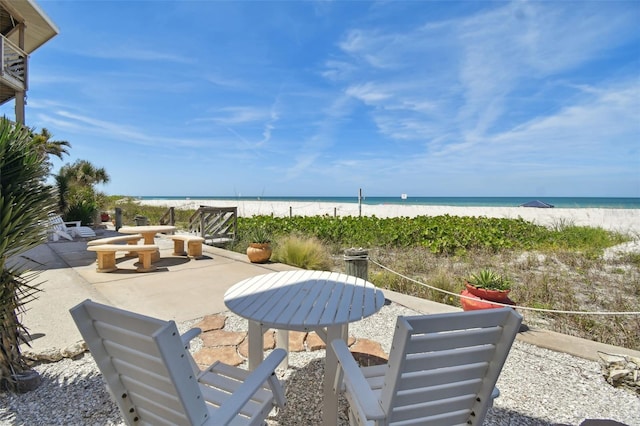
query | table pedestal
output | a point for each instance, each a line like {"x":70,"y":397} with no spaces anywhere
{"x":330,"y":400}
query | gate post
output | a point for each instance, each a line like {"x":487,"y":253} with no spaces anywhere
{"x":118,"y":218}
{"x":357,"y":262}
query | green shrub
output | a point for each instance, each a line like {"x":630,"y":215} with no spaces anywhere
{"x":489,"y":280}
{"x":25,"y":200}
{"x":440,"y":234}
{"x":82,"y":210}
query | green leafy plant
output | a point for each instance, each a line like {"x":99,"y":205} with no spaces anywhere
{"x":77,"y":197}
{"x":82,"y":210}
{"x":489,"y":280}
{"x":25,"y":200}
{"x":259,"y":235}
{"x":444,"y":235}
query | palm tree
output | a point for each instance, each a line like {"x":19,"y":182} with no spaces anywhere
{"x":77,"y":197}
{"x":25,"y":200}
{"x":83,"y":173}
{"x":46,"y":147}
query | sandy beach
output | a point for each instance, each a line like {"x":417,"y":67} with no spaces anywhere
{"x":621,"y":220}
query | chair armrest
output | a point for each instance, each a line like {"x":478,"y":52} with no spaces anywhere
{"x":356,"y":384}
{"x":74,"y":223}
{"x":263,"y":373}
{"x":189,"y":336}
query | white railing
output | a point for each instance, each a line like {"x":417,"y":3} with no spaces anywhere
{"x":13,"y":65}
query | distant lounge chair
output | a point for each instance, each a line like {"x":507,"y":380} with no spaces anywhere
{"x":68,"y":230}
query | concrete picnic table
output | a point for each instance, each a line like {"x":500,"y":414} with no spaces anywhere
{"x":148,"y":232}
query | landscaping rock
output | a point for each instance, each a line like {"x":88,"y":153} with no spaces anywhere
{"x":226,"y":354}
{"x":212,"y":322}
{"x":215,"y":338}
{"x":621,"y":370}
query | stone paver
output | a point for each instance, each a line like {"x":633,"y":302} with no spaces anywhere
{"x":296,"y":341}
{"x":215,"y":338}
{"x":227,"y":354}
{"x":232,"y":347}
{"x":314,"y":342}
{"x":269,"y":342}
{"x":369,"y":347}
{"x":212,"y":322}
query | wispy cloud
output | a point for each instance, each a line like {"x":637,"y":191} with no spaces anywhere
{"x":486,"y":58}
{"x":233,"y":115}
{"x":88,"y":126}
{"x":132,"y":53}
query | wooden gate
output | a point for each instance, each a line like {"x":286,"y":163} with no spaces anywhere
{"x":217,"y":225}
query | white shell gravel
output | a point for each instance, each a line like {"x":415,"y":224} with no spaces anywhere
{"x":538,"y":387}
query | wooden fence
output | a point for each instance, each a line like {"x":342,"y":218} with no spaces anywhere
{"x":217,"y":225}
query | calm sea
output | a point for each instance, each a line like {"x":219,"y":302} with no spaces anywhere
{"x":565,"y":202}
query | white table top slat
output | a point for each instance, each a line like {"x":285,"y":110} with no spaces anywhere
{"x":293,"y":304}
{"x":304,"y":300}
{"x":278,"y":290}
{"x":336,"y":297}
{"x":319,"y":304}
{"x":343,"y":310}
{"x":241,"y":298}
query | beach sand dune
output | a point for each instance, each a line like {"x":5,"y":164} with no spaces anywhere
{"x":621,"y":220}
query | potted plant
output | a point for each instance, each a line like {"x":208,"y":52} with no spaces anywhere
{"x":486,"y":285}
{"x":259,"y":250}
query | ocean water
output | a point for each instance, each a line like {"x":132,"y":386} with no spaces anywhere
{"x":562,"y":202}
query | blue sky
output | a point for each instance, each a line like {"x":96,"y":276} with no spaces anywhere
{"x":321,"y":98}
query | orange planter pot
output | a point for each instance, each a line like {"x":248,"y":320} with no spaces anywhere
{"x":259,"y":252}
{"x":472,"y":302}
{"x":491,"y":295}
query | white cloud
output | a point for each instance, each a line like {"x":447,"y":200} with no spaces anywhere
{"x":368,"y":93}
{"x":234,"y":115}
{"x":127,"y":52}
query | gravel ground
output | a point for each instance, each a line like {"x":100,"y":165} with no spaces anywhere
{"x":538,"y":387}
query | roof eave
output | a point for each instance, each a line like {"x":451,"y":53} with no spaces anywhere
{"x":39,"y":27}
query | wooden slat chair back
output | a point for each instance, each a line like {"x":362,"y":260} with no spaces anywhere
{"x":154,"y":380}
{"x":68,"y":230}
{"x":442,"y":370}
{"x":58,"y":228}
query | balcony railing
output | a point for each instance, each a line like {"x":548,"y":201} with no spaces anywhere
{"x":13,"y":65}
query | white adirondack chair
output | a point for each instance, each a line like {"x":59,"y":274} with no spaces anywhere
{"x":442,"y":370}
{"x":154,"y":380}
{"x":68,"y":230}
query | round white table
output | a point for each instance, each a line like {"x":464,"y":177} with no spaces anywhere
{"x":320,"y":301}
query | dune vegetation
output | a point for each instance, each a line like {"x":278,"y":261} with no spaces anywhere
{"x":560,"y":268}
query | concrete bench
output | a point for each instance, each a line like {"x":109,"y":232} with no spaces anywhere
{"x":129,"y":239}
{"x":106,"y":254}
{"x":194,"y":245}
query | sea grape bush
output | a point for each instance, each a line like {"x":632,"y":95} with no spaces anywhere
{"x":440,"y":234}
